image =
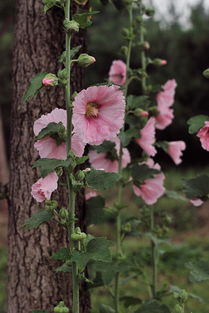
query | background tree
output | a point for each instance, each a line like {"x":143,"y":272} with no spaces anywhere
{"x":32,"y":282}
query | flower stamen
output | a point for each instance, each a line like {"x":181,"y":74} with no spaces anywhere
{"x":92,"y":110}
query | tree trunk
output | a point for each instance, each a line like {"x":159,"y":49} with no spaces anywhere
{"x":32,"y":282}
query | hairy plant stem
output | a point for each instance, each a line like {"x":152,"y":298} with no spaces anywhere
{"x":154,"y":256}
{"x":119,"y":251}
{"x":142,"y":54}
{"x":71,"y":192}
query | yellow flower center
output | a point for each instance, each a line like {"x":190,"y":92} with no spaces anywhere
{"x":91,"y":110}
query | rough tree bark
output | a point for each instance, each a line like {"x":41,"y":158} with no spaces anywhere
{"x":32,"y":282}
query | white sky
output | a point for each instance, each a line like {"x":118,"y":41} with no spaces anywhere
{"x":182,"y":7}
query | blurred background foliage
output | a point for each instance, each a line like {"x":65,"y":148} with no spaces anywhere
{"x":186,"y":48}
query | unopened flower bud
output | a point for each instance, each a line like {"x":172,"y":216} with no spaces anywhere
{"x":206,"y":73}
{"x":146,"y":45}
{"x":127,"y":228}
{"x":141,"y":113}
{"x":64,"y":213}
{"x":62,"y":74}
{"x":71,"y":25}
{"x":50,"y":204}
{"x":178,"y":308}
{"x":50,"y":80}
{"x":159,"y":62}
{"x":61,"y":308}
{"x":80,"y":175}
{"x":85,"y":60}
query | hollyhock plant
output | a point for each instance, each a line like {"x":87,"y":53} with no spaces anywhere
{"x":152,"y":189}
{"x":203,"y":134}
{"x":101,"y":160}
{"x":147,"y":137}
{"x":48,"y":147}
{"x":98,"y":114}
{"x":117,"y":73}
{"x":44,"y":187}
{"x":165,"y":100}
{"x":175,"y":149}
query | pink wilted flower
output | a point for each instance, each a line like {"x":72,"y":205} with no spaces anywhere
{"x":203,"y":134}
{"x":98,"y":114}
{"x":165,"y":100}
{"x":147,"y":137}
{"x":48,"y":147}
{"x":117,"y":73}
{"x":196,"y":202}
{"x":101,"y":160}
{"x":44,"y":187}
{"x":152,"y":189}
{"x":175,"y":149}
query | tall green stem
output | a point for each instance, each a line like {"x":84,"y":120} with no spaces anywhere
{"x":71,"y":192}
{"x":118,"y":220}
{"x":143,"y":57}
{"x":154,"y":257}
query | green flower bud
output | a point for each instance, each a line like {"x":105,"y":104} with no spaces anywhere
{"x":61,"y":308}
{"x":206,"y":73}
{"x":124,"y":51}
{"x":85,"y":60}
{"x":178,"y":309}
{"x":141,"y":113}
{"x":71,"y":25}
{"x":159,"y":62}
{"x":127,"y":228}
{"x":64,"y":213}
{"x":78,"y":237}
{"x":50,"y":204}
{"x":80,"y":175}
{"x":62,"y":75}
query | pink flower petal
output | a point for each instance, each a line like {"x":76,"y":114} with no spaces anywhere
{"x":147,"y":137}
{"x":44,"y":187}
{"x":117,"y":73}
{"x":175,"y":149}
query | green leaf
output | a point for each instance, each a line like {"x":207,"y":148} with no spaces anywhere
{"x":129,"y":301}
{"x":64,"y":268}
{"x":50,"y":130}
{"x":74,"y":51}
{"x":142,"y":172}
{"x":199,"y":271}
{"x":135,"y":102}
{"x":197,"y":187}
{"x":126,"y":136}
{"x":95,"y":213}
{"x":49,"y":165}
{"x":35,"y":85}
{"x":101,"y":180}
{"x":62,"y":254}
{"x":106,"y":309}
{"x":83,"y":18}
{"x":197,"y":122}
{"x":81,"y":160}
{"x":106,"y":146}
{"x":174,"y":195}
{"x":153,"y":307}
{"x":39,"y":218}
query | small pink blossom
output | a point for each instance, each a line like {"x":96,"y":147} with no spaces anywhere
{"x":44,"y":187}
{"x":144,"y":114}
{"x":117,"y":73}
{"x":152,"y":189}
{"x":164,"y":62}
{"x":203,"y":134}
{"x":50,"y":80}
{"x":90,"y":194}
{"x":165,"y":100}
{"x":196,"y":202}
{"x":98,"y":114}
{"x":100,"y":160}
{"x":175,"y":149}
{"x":147,"y":137}
{"x":48,"y":147}
{"x":47,"y":82}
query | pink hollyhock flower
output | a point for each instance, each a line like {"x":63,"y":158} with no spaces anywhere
{"x":196,"y":202}
{"x":152,"y":189}
{"x":98,"y":114}
{"x":48,"y":147}
{"x":117,"y":73}
{"x":203,"y":134}
{"x":147,"y":137}
{"x":175,"y":149}
{"x":165,"y":100}
{"x":44,"y":187}
{"x":100,"y":160}
{"x":90,"y":194}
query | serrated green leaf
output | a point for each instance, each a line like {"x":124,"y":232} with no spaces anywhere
{"x":130,"y":301}
{"x":81,"y":160}
{"x":34,"y":87}
{"x":39,"y":218}
{"x":135,"y":102}
{"x":106,"y":309}
{"x":101,"y":180}
{"x":142,"y":172}
{"x":196,"y":122}
{"x":95,"y":213}
{"x":62,"y":254}
{"x":51,"y":129}
{"x":199,"y":271}
{"x":126,"y":136}
{"x":153,"y":307}
{"x":64,"y":268}
{"x":197,"y":187}
{"x":47,"y":166}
